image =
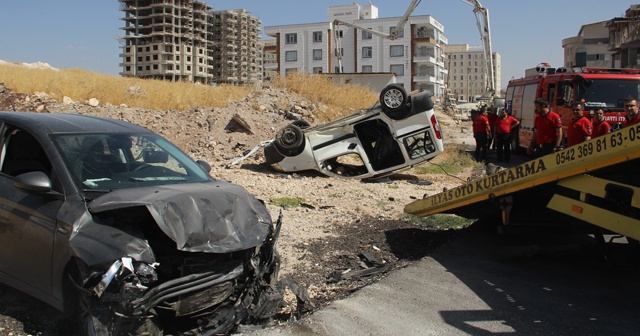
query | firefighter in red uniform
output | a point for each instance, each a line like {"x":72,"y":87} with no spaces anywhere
{"x":631,"y":109}
{"x":600,"y":127}
{"x":502,"y":134}
{"x":547,"y":130}
{"x":580,"y":128}
{"x":481,"y":134}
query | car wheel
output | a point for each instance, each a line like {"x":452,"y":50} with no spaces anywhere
{"x":92,"y":319}
{"x":393,"y":100}
{"x":303,"y":124}
{"x":289,"y":140}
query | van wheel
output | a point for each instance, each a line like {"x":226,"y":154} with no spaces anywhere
{"x":393,"y":100}
{"x":303,"y":124}
{"x":289,"y":140}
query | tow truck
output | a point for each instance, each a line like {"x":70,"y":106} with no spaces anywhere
{"x":595,"y":182}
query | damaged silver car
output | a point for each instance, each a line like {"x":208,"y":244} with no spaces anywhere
{"x":107,"y":220}
{"x":397,"y":133}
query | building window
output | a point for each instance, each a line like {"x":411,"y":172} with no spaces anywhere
{"x":367,"y":52}
{"x":339,"y":33}
{"x":128,"y":68}
{"x":290,"y":70}
{"x":317,"y":70}
{"x":367,"y":68}
{"x":393,"y":29}
{"x":339,"y":70}
{"x":317,"y":36}
{"x":317,"y":54}
{"x":397,"y":69}
{"x":155,"y":67}
{"x":397,"y":51}
{"x":291,"y":56}
{"x":128,"y":59}
{"x":291,"y":38}
{"x":366,"y":35}
{"x":339,"y":52}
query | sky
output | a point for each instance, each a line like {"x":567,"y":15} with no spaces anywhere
{"x":84,"y":33}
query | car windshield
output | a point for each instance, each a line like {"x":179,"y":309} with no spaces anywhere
{"x":104,"y":162}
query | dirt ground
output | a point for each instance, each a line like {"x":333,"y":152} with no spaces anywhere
{"x":345,"y":235}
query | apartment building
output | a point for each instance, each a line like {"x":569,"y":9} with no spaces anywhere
{"x":416,"y":57}
{"x":590,"y":48}
{"x":467,"y":78}
{"x":624,"y":39}
{"x":269,"y":60}
{"x":185,"y":40}
{"x":237,"y":53}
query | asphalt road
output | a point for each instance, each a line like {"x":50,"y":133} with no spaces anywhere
{"x":487,"y":284}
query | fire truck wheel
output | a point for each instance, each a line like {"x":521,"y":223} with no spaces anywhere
{"x":394,"y":100}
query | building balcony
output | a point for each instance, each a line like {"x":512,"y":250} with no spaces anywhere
{"x":424,"y":58}
{"x":426,"y":78}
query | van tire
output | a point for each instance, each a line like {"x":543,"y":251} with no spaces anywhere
{"x":303,"y":124}
{"x":394,"y":100}
{"x":289,"y":140}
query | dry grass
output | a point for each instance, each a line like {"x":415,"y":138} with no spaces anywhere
{"x":341,"y":100}
{"x":81,"y":85}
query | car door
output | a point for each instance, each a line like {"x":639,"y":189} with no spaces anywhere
{"x":27,"y":220}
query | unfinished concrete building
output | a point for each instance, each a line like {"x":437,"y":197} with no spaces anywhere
{"x":237,"y":53}
{"x":167,"y":39}
{"x":185,"y":40}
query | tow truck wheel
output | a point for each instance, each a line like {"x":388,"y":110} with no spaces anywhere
{"x":289,"y":140}
{"x":393,"y":100}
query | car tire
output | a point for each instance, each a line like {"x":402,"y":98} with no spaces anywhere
{"x":289,"y":140}
{"x":303,"y":124}
{"x":272,"y":155}
{"x":90,"y":320}
{"x":394,"y":100}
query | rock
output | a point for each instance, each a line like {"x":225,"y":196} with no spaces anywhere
{"x":94,"y":102}
{"x":66,"y":100}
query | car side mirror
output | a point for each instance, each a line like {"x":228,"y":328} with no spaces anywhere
{"x":205,"y":165}
{"x":37,"y":182}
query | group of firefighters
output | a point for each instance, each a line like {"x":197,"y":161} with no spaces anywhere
{"x":495,"y":129}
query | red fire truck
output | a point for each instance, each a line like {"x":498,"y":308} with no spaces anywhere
{"x":595,"y":87}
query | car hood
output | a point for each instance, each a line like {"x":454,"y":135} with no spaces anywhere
{"x":216,"y":216}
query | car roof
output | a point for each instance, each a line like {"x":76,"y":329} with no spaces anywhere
{"x":69,"y":123}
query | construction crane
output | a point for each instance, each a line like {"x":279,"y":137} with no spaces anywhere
{"x":391,"y":36}
{"x":482,"y":22}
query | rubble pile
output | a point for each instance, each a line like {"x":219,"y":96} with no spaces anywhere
{"x":216,"y":135}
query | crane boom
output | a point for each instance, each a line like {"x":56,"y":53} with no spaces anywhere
{"x":391,"y":36}
{"x":482,"y":22}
